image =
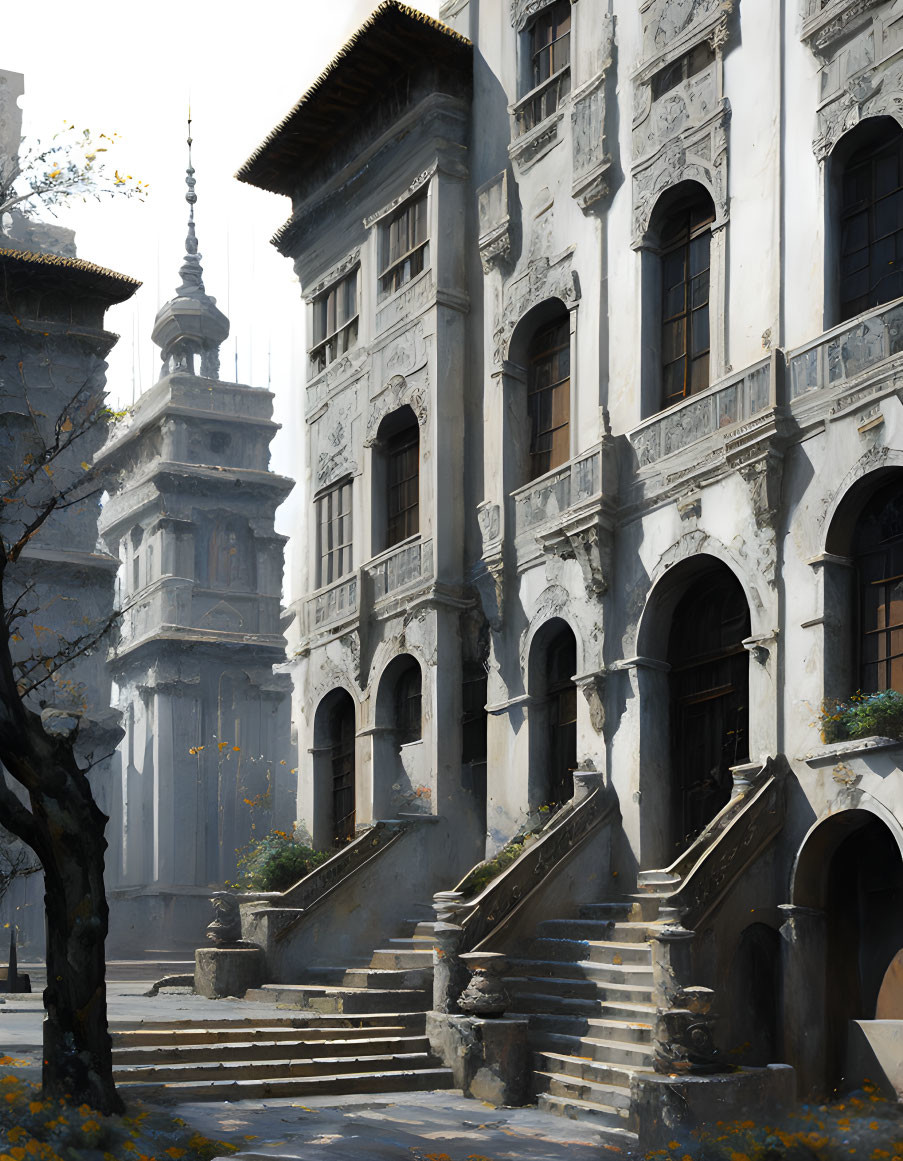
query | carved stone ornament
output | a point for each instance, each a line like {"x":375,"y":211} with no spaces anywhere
{"x":493,"y":213}
{"x":684,"y":1035}
{"x":543,"y":279}
{"x":697,"y":154}
{"x":586,"y":539}
{"x":825,"y":22}
{"x":398,"y":393}
{"x":588,"y":122}
{"x":226,"y":926}
{"x":878,"y":93}
{"x":485,"y":995}
{"x":672,"y":27}
{"x":334,"y":274}
{"x":593,"y":689}
{"x":523,"y":11}
{"x":420,"y":180}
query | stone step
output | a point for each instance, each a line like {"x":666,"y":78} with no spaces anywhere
{"x":387,"y":978}
{"x":579,"y":991}
{"x":562,"y":987}
{"x":586,"y":1068}
{"x":389,"y":1040}
{"x":340,"y":999}
{"x":619,"y":1052}
{"x":279,"y":1069}
{"x":630,"y":1030}
{"x":614,"y":1098}
{"x":629,"y":932}
{"x":409,"y":1080}
{"x":598,"y":971}
{"x":660,"y":880}
{"x":594,"y":930}
{"x":402,"y":958}
{"x":634,"y":908}
{"x":310,"y":1025}
{"x":546,"y":1002}
{"x":613,"y":1132}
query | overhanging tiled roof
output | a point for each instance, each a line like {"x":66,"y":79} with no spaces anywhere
{"x":392,"y":43}
{"x":72,"y":272}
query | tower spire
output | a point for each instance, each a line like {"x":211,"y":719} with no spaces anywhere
{"x":190,"y":324}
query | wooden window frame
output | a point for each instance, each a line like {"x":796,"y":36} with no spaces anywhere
{"x":398,"y":267}
{"x":409,"y":705}
{"x":402,"y":514}
{"x":335,"y":532}
{"x":549,"y":62}
{"x":891,"y":576}
{"x":685,"y":239}
{"x":333,"y":338}
{"x":543,"y":460}
{"x":869,"y":157}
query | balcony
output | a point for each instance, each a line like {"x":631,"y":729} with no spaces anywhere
{"x":720,"y":409}
{"x":846,"y":352}
{"x":400,"y":567}
{"x":331,"y":605}
{"x":547,"y":500}
{"x":535,"y":118}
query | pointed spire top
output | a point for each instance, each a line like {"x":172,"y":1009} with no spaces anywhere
{"x":191,"y":325}
{"x":191,"y":271}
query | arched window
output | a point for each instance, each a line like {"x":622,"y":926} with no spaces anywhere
{"x":684,"y":243}
{"x":553,"y":713}
{"x":878,"y":552}
{"x":549,"y":396}
{"x":396,"y":480}
{"x":869,"y":200}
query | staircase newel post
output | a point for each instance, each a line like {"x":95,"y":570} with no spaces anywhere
{"x":672,"y":957}
{"x":450,"y":975}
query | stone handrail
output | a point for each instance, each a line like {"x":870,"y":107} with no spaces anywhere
{"x":332,"y":604}
{"x":545,"y":500}
{"x":726,"y":403}
{"x":727,"y":846}
{"x":400,"y":567}
{"x":845,"y":352}
{"x":480,"y":916}
{"x":343,"y":863}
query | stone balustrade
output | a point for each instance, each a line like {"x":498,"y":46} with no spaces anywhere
{"x":335,"y":603}
{"x":546,"y":500}
{"x":400,"y":567}
{"x":727,"y":403}
{"x":845,"y":352}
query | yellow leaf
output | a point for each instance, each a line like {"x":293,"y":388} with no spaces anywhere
{"x":86,"y":465}
{"x":48,"y":470}
{"x":66,"y":425}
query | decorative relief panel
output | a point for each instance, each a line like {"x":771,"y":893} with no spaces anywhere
{"x":671,"y":27}
{"x":336,"y":375}
{"x":332,"y":440}
{"x":825,"y":22}
{"x":523,"y":11}
{"x":690,"y":103}
{"x":399,"y":391}
{"x":588,"y":128}
{"x":493,"y":214}
{"x":543,"y":279}
{"x":402,"y":354}
{"x":411,"y":300}
{"x":875,"y":93}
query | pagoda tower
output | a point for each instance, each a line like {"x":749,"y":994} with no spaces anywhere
{"x":205,"y":761}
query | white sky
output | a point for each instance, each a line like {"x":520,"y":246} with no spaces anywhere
{"x":131,"y":69}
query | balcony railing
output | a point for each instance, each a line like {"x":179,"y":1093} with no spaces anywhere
{"x":846,"y":351}
{"x":541,"y":102}
{"x":340,"y":600}
{"x":400,"y":567}
{"x":727,"y":403}
{"x":546,"y":499}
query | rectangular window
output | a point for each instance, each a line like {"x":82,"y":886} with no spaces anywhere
{"x":334,"y":533}
{"x":335,"y":321}
{"x":698,"y":58}
{"x":404,"y":244}
{"x":549,"y":41}
{"x":403,"y":498}
{"x":549,"y":398}
{"x":685,"y":303}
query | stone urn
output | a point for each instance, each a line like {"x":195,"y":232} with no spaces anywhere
{"x":485,"y":995}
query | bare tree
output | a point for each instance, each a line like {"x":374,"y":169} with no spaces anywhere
{"x":53,"y":418}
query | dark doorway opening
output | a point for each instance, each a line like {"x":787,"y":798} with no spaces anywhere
{"x":561,"y":707}
{"x":341,"y":734}
{"x":709,"y":681}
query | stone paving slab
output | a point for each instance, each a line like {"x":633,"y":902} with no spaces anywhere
{"x":413,"y":1127}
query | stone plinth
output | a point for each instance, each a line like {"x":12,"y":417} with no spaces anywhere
{"x":227,"y":971}
{"x":666,"y":1107}
{"x":489,"y":1058}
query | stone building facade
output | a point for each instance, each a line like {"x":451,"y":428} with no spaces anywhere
{"x":605,"y":468}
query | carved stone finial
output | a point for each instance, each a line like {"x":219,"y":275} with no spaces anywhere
{"x":226,"y":926}
{"x":485,"y":995}
{"x":684,"y":1034}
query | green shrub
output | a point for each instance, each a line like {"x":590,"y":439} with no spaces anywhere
{"x":275,"y":863}
{"x":864,"y":715}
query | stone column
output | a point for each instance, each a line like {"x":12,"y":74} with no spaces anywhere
{"x":450,"y":976}
{"x":804,"y":975}
{"x":672,"y":959}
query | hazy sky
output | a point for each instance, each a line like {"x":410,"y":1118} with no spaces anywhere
{"x":131,"y":69}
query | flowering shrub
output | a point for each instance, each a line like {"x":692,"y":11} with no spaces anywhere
{"x":35,"y":1129}
{"x":275,"y":862}
{"x":862,"y":716}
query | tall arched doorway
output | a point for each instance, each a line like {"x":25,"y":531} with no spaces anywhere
{"x":851,"y":870}
{"x":553,"y":714}
{"x":334,"y":767}
{"x":709,"y":710}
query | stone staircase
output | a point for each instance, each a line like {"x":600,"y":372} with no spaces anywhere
{"x":586,"y":984}
{"x":306,"y":1055}
{"x":354,"y":1029}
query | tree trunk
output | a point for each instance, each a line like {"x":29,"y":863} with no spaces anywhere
{"x":78,"y":1062}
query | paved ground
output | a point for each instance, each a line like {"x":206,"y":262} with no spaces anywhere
{"x":440,"y":1126}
